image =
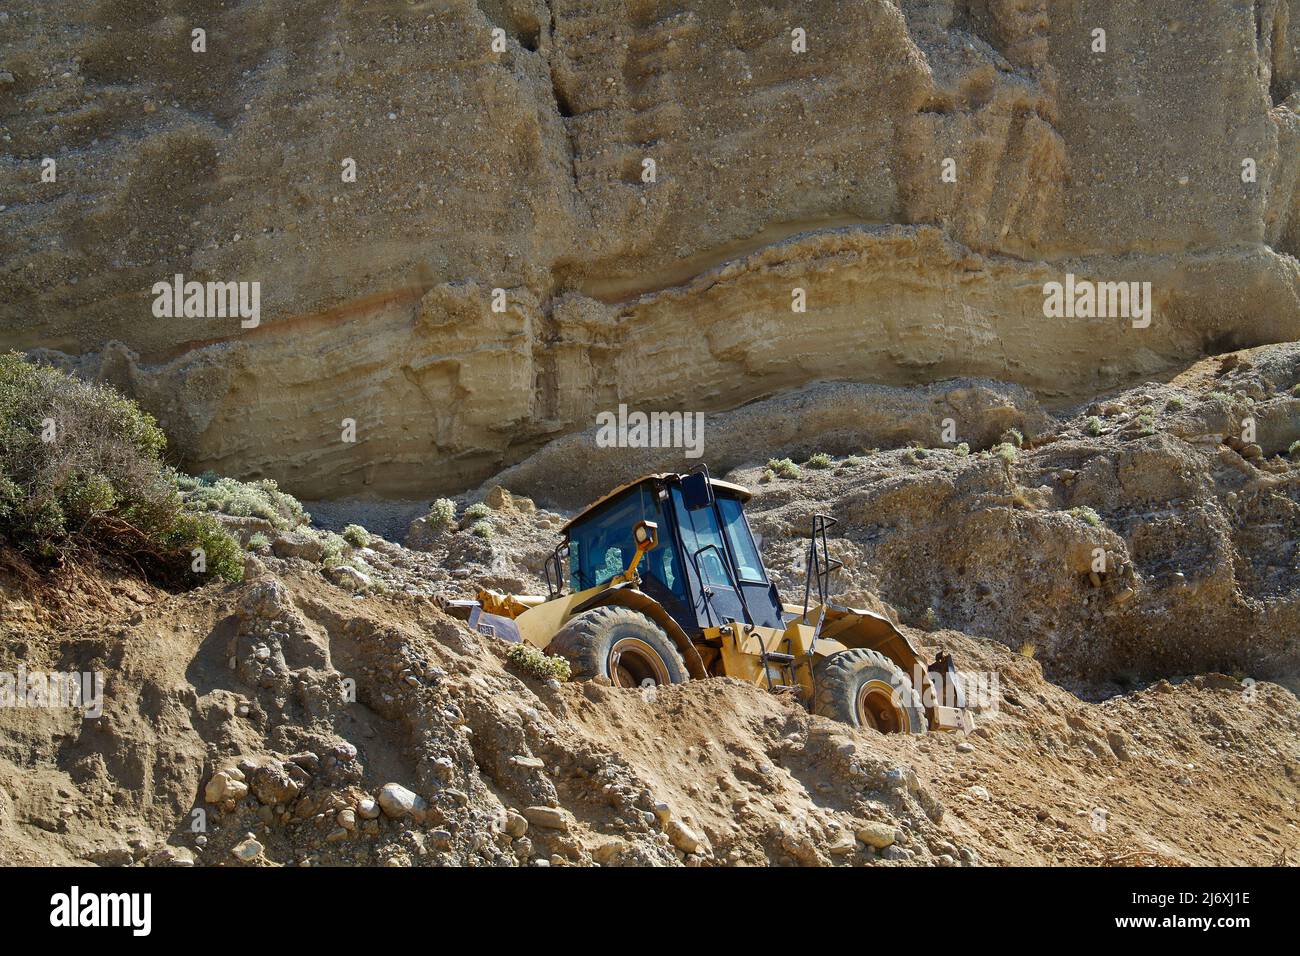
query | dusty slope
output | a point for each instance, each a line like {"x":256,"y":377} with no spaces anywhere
{"x":521,"y":170}
{"x":1153,"y":758}
{"x":1195,"y":772}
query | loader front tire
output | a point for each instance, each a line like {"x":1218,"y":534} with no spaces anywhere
{"x":866,"y":689}
{"x":620,"y":644}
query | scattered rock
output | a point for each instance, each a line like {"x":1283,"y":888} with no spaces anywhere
{"x":225,"y":785}
{"x":247,"y":849}
{"x":397,"y":802}
{"x":682,"y":836}
{"x":549,"y":818}
{"x":877,"y":835}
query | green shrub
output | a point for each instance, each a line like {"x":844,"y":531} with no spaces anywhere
{"x":783,"y":468}
{"x":1093,"y":426}
{"x":819,"y":460}
{"x":482,"y":529}
{"x":255,"y":499}
{"x":356,"y":536}
{"x":1294,"y":450}
{"x":1013,"y":436}
{"x":476,"y":511}
{"x":258,"y":541}
{"x":1008,"y":452}
{"x":442,"y":514}
{"x":537,"y":664}
{"x":962,"y":450}
{"x":81,"y":465}
{"x":334,"y":548}
{"x":1087,"y":515}
{"x":221,"y":554}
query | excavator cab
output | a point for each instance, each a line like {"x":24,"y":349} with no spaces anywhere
{"x":704,"y":566}
{"x":662,"y":581}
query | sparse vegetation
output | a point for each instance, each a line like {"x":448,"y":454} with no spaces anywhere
{"x":1008,"y":452}
{"x":783,"y":468}
{"x":482,"y":529}
{"x":82,"y":466}
{"x":1013,"y":436}
{"x":254,"y":499}
{"x":1146,"y":424}
{"x":819,"y":460}
{"x":1087,"y":515}
{"x":442,"y":513}
{"x":258,"y":542}
{"x":1093,"y":426}
{"x":962,"y":450}
{"x":477,"y":511}
{"x":1294,"y":451}
{"x":536,"y":663}
{"x":356,"y":536}
{"x":335,"y":547}
{"x":1174,"y":404}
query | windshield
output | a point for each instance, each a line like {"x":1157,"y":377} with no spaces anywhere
{"x":748,"y":563}
{"x":702,"y":541}
{"x":602,"y":545}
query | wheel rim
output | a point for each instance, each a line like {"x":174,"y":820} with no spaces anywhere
{"x":878,"y":707}
{"x":634,"y":663}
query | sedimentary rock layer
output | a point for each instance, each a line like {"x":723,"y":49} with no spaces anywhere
{"x":524,"y":170}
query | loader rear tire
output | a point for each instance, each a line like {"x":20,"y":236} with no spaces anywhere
{"x":620,"y":644}
{"x":866,"y":689}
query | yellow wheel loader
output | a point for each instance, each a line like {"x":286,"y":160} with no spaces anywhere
{"x":665,"y":584}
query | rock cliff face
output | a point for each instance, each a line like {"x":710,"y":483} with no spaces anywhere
{"x":1170,"y":158}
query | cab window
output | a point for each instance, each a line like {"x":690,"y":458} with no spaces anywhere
{"x":699,"y":529}
{"x":736,"y":528}
{"x":602,"y":545}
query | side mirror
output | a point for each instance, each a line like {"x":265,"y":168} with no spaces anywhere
{"x":697,"y":492}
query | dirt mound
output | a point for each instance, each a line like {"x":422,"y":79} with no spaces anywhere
{"x":310,"y":726}
{"x":327,"y":710}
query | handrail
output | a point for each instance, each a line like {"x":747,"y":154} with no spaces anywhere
{"x":735,"y":583}
{"x":819,"y":566}
{"x":556,"y":588}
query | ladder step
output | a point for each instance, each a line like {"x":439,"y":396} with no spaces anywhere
{"x":777,"y":687}
{"x":777,"y":656}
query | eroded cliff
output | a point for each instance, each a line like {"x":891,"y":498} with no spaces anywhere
{"x":525,"y":170}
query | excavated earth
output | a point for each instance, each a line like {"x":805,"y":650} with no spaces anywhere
{"x":1144,"y":715}
{"x":918,"y":171}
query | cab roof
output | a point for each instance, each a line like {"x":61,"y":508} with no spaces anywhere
{"x":739,"y":491}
